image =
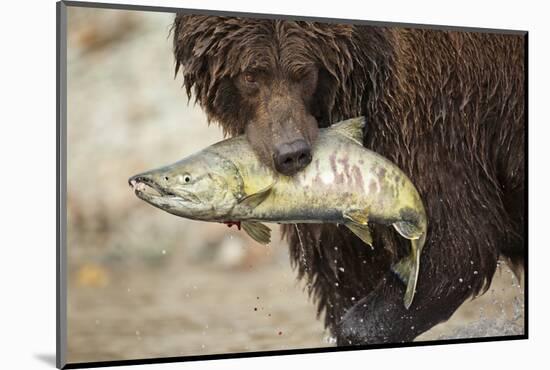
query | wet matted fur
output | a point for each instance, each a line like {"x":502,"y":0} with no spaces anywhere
{"x":445,"y":106}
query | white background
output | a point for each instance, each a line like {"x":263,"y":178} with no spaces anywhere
{"x":27,"y":181}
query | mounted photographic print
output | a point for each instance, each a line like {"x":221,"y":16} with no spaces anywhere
{"x":236,"y":184}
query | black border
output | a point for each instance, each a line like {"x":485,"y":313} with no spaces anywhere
{"x":61,"y":145}
{"x":526,"y":190}
{"x":61,"y":184}
{"x":304,"y":351}
{"x":164,"y":9}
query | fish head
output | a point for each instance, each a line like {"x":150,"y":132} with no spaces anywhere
{"x":204,"y":186}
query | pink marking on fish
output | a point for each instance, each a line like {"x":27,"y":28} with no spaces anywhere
{"x":345,"y":163}
{"x":356,"y":172}
{"x":338,"y":177}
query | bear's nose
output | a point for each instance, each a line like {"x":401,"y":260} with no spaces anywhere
{"x":290,"y":158}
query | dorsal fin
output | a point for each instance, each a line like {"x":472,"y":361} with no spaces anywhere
{"x":351,"y":128}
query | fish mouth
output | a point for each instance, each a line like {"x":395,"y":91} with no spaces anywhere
{"x":147,"y":189}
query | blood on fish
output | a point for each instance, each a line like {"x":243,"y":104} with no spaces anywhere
{"x":233,"y":223}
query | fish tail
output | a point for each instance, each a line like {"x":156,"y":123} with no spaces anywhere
{"x":407,"y":269}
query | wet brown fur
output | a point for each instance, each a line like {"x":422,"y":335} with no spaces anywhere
{"x":447,"y":107}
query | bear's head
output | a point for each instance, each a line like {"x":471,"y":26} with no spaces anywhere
{"x":275,"y":81}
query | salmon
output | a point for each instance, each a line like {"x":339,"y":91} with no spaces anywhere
{"x":345,"y":184}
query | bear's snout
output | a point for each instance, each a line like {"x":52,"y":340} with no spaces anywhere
{"x":290,"y":158}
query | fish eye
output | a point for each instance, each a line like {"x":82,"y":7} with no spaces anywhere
{"x":186,"y":178}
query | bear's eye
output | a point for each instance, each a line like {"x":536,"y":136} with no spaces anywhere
{"x":299,"y":75}
{"x":250,"y":77}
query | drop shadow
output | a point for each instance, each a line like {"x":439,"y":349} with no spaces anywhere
{"x":47,"y":358}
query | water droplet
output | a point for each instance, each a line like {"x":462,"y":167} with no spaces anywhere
{"x":460,"y":280}
{"x":353,"y":298}
{"x":475,"y":272}
{"x":341,"y":269}
{"x":163,"y":251}
{"x":336,"y":284}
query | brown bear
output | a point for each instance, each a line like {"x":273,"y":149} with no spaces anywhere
{"x":446,"y":106}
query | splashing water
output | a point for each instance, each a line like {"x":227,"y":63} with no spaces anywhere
{"x":302,"y":248}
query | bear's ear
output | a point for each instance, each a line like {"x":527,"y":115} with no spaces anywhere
{"x":205,"y":53}
{"x":183,"y":44}
{"x":193,"y":38}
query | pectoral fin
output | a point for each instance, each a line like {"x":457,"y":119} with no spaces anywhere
{"x":357,"y":222}
{"x":257,"y":231}
{"x":253,"y":200}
